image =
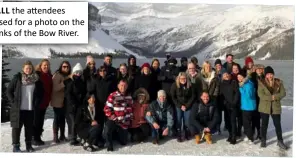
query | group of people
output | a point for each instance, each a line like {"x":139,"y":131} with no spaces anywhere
{"x":132,"y":103}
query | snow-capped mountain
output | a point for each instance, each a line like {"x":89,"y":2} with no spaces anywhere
{"x":209,"y":31}
{"x":99,"y":42}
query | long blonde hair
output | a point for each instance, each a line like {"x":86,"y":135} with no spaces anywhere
{"x":38,"y":66}
{"x":203,"y":72}
{"x":188,"y":83}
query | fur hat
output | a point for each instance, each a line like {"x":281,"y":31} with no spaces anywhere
{"x":77,"y":68}
{"x":248,"y":60}
{"x":89,"y":59}
{"x":268,"y":69}
{"x":218,"y":61}
{"x":145,"y":65}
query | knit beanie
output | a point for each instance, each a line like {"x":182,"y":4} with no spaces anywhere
{"x":89,"y":59}
{"x":77,"y":68}
{"x":268,"y":69}
{"x":145,"y":65}
{"x":248,"y":60}
{"x":218,"y":61}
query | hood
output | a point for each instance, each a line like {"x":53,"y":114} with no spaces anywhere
{"x":129,"y":58}
{"x":77,"y":68}
{"x":142,"y":90}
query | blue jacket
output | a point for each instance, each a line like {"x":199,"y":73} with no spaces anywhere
{"x":248,"y":96}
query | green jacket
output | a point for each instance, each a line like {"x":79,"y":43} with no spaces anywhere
{"x":266,"y":104}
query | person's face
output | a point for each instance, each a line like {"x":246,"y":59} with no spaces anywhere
{"x":259,"y":71}
{"x":65,"y":68}
{"x":250,"y":65}
{"x":162,"y":98}
{"x":235,"y":70}
{"x":91,"y":100}
{"x":205,"y":98}
{"x":92,"y":65}
{"x":155,"y":65}
{"x":45,"y":67}
{"x":183,"y":79}
{"x":102,"y":73}
{"x":269,"y":76}
{"x":141,"y":99}
{"x":78,"y":74}
{"x":240,"y":78}
{"x":191,"y":68}
{"x":218,"y":67}
{"x":146,"y":70}
{"x":123,"y":70}
{"x":226,"y":76}
{"x":207,"y":68}
{"x":122,"y":86}
{"x":108,"y":60}
{"x":28,"y":69}
{"x":229,"y":59}
{"x":132,"y":61}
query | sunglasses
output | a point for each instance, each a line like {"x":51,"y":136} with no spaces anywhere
{"x":65,"y":66}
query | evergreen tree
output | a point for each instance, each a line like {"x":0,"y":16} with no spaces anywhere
{"x":5,"y":104}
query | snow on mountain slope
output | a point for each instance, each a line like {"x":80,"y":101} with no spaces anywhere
{"x":99,"y":42}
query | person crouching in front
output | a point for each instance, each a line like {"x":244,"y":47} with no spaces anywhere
{"x":118,"y":110}
{"x":203,"y":119}
{"x":140,"y":128}
{"x":89,"y":126}
{"x":160,"y":116}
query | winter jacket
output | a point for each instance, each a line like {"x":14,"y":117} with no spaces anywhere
{"x":220,"y":74}
{"x":202,"y":116}
{"x":168,"y":76}
{"x":248,"y":95}
{"x":46,"y":80}
{"x":14,"y":94}
{"x":89,"y":78}
{"x":157,"y":84}
{"x":102,"y":89}
{"x":74,"y":94}
{"x":133,"y":70}
{"x":182,"y":95}
{"x":229,"y":94}
{"x":228,"y":67}
{"x":183,"y":68}
{"x":196,"y":82}
{"x":147,"y":82}
{"x":57,"y":97}
{"x":139,"y":110}
{"x":111,"y":71}
{"x":265,"y":93}
{"x":118,"y":108}
{"x":160,"y":113}
{"x":254,"y":78}
{"x":212,"y":86}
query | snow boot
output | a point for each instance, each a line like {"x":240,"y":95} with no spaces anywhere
{"x":110,"y":148}
{"x":208,"y":138}
{"x":16,"y":148}
{"x":88,"y":147}
{"x":179,"y":136}
{"x":29,"y":147}
{"x":282,"y":145}
{"x":197,"y":139}
{"x":263,"y":143}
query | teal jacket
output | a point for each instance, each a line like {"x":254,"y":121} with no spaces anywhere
{"x":248,"y":96}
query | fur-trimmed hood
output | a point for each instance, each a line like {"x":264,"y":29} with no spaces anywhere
{"x":145,"y":92}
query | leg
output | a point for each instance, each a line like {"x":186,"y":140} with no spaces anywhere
{"x":264,"y":126}
{"x":186,"y":118}
{"x":154,"y":135}
{"x":226,"y":119}
{"x":232,"y":129}
{"x":72,"y":134}
{"x":108,"y":134}
{"x":247,"y":122}
{"x":56,"y":124}
{"x":28,"y":123}
{"x":278,"y":128}
{"x":218,"y":127}
{"x":145,"y":130}
{"x":256,"y":120}
{"x":38,"y":128}
{"x":239,"y":123}
{"x":179,"y":113}
{"x":123,"y":135}
{"x":62,"y":124}
{"x":94,"y":133}
{"x":16,"y":133}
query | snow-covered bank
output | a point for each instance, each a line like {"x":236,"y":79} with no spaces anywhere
{"x":171,"y":147}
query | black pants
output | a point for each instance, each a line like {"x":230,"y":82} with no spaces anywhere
{"x":113,"y":129}
{"x":256,"y":121}
{"x":72,"y":133}
{"x":26,"y":119}
{"x":94,"y":134}
{"x":59,"y":121}
{"x":39,"y":122}
{"x":239,"y":121}
{"x":141,"y":133}
{"x":276,"y":122}
{"x":247,"y":121}
{"x":220,"y":110}
{"x":231,"y":122}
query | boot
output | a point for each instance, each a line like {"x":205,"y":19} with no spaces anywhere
{"x":229,"y":138}
{"x":37,"y":141}
{"x":263,"y":143}
{"x":282,"y":145}
{"x":208,"y":138}
{"x":197,"y":139}
{"x":179,"y":136}
{"x":187,"y":134}
{"x":62,"y":136}
{"x":16,"y":148}
{"x":155,"y":141}
{"x":74,"y":142}
{"x":29,"y":147}
{"x":88,"y":147}
{"x":233,"y":140}
{"x":55,"y":136}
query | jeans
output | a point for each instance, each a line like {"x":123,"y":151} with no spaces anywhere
{"x":182,"y":118}
{"x":157,"y":133}
{"x":27,"y":120}
{"x":72,"y":133}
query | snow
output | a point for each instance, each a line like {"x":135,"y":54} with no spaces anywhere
{"x":99,"y":42}
{"x":266,"y":56}
{"x":171,"y":147}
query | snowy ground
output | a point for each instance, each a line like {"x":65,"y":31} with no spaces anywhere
{"x":171,"y":147}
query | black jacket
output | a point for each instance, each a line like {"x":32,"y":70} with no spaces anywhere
{"x":182,"y":96}
{"x":103,"y":88}
{"x":229,"y":94}
{"x":183,"y":68}
{"x":147,"y":82}
{"x":89,"y":78}
{"x":228,"y":67}
{"x":157,"y":86}
{"x":14,"y":94}
{"x":111,"y":71}
{"x":202,"y":116}
{"x":168,"y":76}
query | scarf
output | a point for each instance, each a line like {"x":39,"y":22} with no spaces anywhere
{"x":243,"y":82}
{"x":29,"y":79}
{"x":92,"y":113}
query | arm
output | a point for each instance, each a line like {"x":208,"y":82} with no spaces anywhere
{"x":192,"y":117}
{"x":261,"y":93}
{"x":68,"y":94}
{"x":249,"y":90}
{"x":109,"y":109}
{"x":236,"y":94}
{"x":282,"y":92}
{"x":191,"y":99}
{"x":150,"y":119}
{"x":58,"y":85}
{"x":170,"y":119}
{"x":216,"y":90}
{"x":10,"y":89}
{"x":174,"y":96}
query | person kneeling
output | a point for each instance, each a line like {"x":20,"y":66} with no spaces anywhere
{"x":203,"y":119}
{"x":160,"y":116}
{"x":89,"y":127}
{"x":140,"y":128}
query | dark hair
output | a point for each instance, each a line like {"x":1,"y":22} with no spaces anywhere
{"x":204,"y":91}
{"x":229,"y":55}
{"x":61,"y":66}
{"x":155,"y":60}
{"x":109,"y":55}
{"x":123,"y":80}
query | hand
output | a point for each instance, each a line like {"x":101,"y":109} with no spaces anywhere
{"x":183,"y":108}
{"x":165,"y":132}
{"x":155,"y":125}
{"x":272,"y":98}
{"x":94,"y":123}
{"x":207,"y":130}
{"x":148,"y":113}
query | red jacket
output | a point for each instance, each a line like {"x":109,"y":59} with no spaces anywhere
{"x":46,"y":80}
{"x":118,"y":108}
{"x":138,"y":114}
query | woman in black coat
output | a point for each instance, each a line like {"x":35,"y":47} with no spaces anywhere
{"x":89,"y":73}
{"x":89,"y":126}
{"x":155,"y":71}
{"x":25,"y":93}
{"x":229,"y":96}
{"x":74,"y":95}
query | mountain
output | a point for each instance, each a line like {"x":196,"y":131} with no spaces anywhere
{"x":99,"y":42}
{"x":205,"y":31}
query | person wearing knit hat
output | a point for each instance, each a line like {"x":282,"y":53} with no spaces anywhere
{"x":184,"y":62}
{"x":74,"y":96}
{"x":172,"y":61}
{"x":249,"y":66}
{"x":219,"y":69}
{"x":271,"y":91}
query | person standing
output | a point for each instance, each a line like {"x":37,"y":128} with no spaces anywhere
{"x":184,"y":62}
{"x":132,"y":67}
{"x":25,"y":92}
{"x":57,"y":101}
{"x":229,"y":63}
{"x":111,"y":71}
{"x":248,"y":69}
{"x":155,"y":71}
{"x":123,"y":74}
{"x":89,"y":73}
{"x":45,"y":76}
{"x":271,"y":91}
{"x":194,"y":78}
{"x":194,"y":60}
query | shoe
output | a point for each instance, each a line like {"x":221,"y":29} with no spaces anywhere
{"x":233,"y":140}
{"x":155,"y":141}
{"x":16,"y":148}
{"x":282,"y":145}
{"x":228,"y":139}
{"x":55,"y":136}
{"x":29,"y":147}
{"x":74,"y":142}
{"x":88,"y":147}
{"x":263,"y":144}
{"x":208,"y":138}
{"x":197,"y":139}
{"x":63,"y":138}
{"x":246,"y":139}
{"x":38,"y":142}
{"x":179,"y":136}
{"x":110,"y":148}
